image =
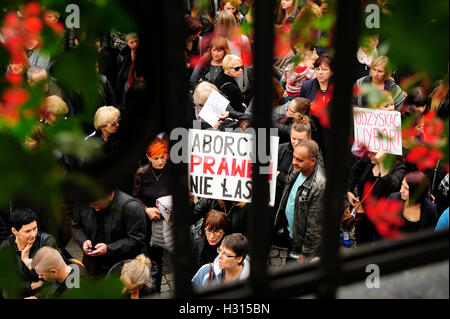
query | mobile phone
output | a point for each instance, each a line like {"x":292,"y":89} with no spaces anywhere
{"x":89,"y":250}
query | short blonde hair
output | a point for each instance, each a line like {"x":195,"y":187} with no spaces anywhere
{"x":202,"y":92}
{"x":103,"y":115}
{"x":228,"y":61}
{"x":55,"y":105}
{"x":385,"y":63}
{"x":137,"y":271}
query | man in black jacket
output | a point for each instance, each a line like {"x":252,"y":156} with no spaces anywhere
{"x":109,"y":230}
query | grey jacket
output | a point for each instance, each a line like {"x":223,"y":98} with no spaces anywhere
{"x":307,"y":225}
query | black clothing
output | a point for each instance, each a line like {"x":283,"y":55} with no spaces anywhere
{"x":237,"y":215}
{"x":28,"y":276}
{"x":204,"y":253}
{"x":360,"y":174}
{"x":428,"y":216}
{"x":57,"y":289}
{"x":229,"y":87}
{"x":125,"y":230}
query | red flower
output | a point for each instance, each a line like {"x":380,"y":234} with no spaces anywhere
{"x":32,"y":9}
{"x":356,"y":90}
{"x":11,"y":21}
{"x":14,"y":79}
{"x":15,"y":96}
{"x":33,"y":24}
{"x":57,"y":27}
{"x":385,"y":215}
{"x":193,"y":60}
{"x":319,"y":107}
{"x":282,"y":42}
{"x":424,"y":157}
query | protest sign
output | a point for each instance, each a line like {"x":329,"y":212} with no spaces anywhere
{"x":378,"y":130}
{"x":220,"y":165}
{"x":213,"y":108}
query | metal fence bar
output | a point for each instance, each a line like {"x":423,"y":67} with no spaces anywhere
{"x":179,"y":115}
{"x":259,"y":219}
{"x":348,"y":26}
{"x":298,"y":280}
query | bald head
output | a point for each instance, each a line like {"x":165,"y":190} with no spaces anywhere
{"x":46,"y":259}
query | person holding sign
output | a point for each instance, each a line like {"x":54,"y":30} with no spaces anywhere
{"x":300,"y":208}
{"x":372,"y":170}
{"x":151,"y":183}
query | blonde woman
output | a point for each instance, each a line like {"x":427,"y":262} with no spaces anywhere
{"x":106,"y":122}
{"x":380,"y":77}
{"x":135,"y":277}
{"x":226,"y":82}
{"x":52,"y":107}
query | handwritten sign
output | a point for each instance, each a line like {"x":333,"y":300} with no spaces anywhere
{"x":378,"y":130}
{"x":220,"y":165}
{"x":213,"y":108}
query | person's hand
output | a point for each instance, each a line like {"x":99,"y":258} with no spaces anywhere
{"x":153,"y":213}
{"x":352,"y":199}
{"x":432,"y":198}
{"x":224,"y":115}
{"x":87,"y":245}
{"x":278,"y":173}
{"x":36,"y":284}
{"x":100,"y":250}
{"x":25,"y":255}
{"x":32,"y":297}
{"x":245,"y":106}
{"x":219,"y":123}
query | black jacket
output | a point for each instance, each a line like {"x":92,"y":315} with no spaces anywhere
{"x":229,"y":87}
{"x":361,"y":173}
{"x":125,"y":227}
{"x":310,"y":88}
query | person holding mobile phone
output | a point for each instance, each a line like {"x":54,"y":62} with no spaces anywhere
{"x":109,"y":230}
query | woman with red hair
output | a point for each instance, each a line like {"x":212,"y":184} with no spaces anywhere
{"x":152,"y":182}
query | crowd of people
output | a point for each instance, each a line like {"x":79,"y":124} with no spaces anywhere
{"x":128,"y":231}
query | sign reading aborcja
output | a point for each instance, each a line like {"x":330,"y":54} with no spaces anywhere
{"x":378,"y":130}
{"x":220,"y":165}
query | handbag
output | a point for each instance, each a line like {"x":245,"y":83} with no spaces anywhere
{"x":349,"y":217}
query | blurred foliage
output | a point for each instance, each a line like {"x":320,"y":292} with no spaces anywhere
{"x":109,"y":288}
{"x":415,"y":34}
{"x":10,"y":281}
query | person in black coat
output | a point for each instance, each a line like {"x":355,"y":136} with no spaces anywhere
{"x":214,"y":229}
{"x":418,"y":212}
{"x":125,"y":59}
{"x":371,"y":169}
{"x":109,"y":230}
{"x":237,"y":212}
{"x":226,"y":82}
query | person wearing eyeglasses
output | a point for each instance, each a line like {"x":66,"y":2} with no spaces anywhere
{"x":232,"y":263}
{"x":215,"y":227}
{"x":106,"y":123}
{"x":226,"y":81}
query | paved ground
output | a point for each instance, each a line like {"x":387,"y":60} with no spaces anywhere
{"x":428,"y":282}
